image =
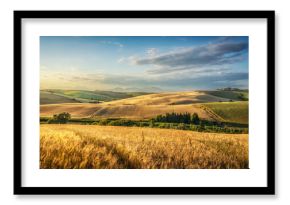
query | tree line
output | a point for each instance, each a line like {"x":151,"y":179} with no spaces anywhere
{"x":173,"y":117}
{"x":185,"y":121}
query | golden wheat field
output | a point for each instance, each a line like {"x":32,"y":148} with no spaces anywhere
{"x":107,"y":147}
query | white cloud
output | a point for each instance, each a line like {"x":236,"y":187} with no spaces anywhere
{"x":114,"y":43}
{"x":151,"y":52}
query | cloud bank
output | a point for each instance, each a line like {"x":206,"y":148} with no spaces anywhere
{"x":219,"y":54}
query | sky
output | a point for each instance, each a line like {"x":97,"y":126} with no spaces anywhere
{"x":141,"y":63}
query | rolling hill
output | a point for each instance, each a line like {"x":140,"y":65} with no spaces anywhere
{"x":150,"y":105}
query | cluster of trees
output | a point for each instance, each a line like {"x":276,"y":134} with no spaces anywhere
{"x":61,"y":118}
{"x":186,"y":118}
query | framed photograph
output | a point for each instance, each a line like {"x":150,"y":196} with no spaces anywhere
{"x":144,"y":102}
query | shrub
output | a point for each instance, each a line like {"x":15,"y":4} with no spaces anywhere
{"x":181,"y":126}
{"x":146,"y":124}
{"x":51,"y":121}
{"x":104,"y":122}
{"x":122,"y":122}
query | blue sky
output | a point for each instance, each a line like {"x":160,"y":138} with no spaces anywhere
{"x":169,"y":63}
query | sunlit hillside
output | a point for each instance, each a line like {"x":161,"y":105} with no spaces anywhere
{"x":140,"y":107}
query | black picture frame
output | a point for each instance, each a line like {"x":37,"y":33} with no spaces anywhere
{"x":268,"y":190}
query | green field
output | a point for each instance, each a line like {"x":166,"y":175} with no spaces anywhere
{"x":231,"y":95}
{"x":54,"y":96}
{"x":50,"y":98}
{"x":230,"y":111}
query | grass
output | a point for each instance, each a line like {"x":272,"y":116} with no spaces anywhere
{"x":107,"y":147}
{"x":231,"y":95}
{"x":237,"y":112}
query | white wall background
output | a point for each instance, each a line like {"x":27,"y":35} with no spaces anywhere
{"x":282,"y":98}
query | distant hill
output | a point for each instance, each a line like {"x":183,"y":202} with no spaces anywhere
{"x":54,"y":96}
{"x":50,"y":98}
{"x":148,"y":89}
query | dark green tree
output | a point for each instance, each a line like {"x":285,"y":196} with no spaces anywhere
{"x":195,"y":119}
